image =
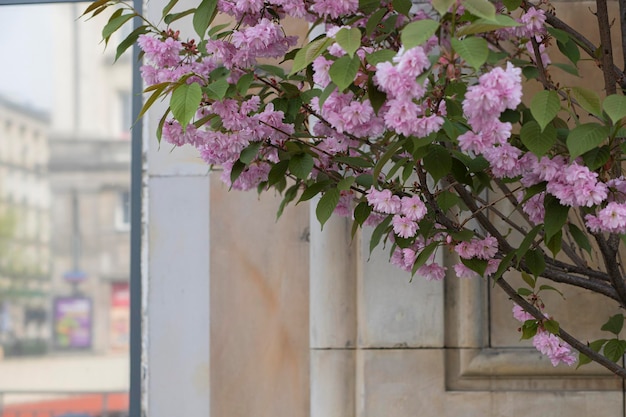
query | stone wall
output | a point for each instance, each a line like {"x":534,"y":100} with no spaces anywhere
{"x":252,"y":317}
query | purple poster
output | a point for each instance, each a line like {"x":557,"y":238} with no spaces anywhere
{"x":72,"y":322}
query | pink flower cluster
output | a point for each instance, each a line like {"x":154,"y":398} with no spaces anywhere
{"x":496,"y":91}
{"x":547,"y":343}
{"x":484,"y":249}
{"x":478,"y":248}
{"x":611,"y":219}
{"x":403,"y":113}
{"x":407,"y":211}
{"x":405,"y":259}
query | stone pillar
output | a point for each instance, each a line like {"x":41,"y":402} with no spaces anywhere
{"x":176,"y":271}
{"x":333,"y":313}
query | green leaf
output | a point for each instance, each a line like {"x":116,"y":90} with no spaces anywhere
{"x":580,"y":238}
{"x":570,"y":50}
{"x":185,"y":101}
{"x":129,"y":41}
{"x":487,"y":25}
{"x":308,"y":53}
{"x":345,"y":183}
{"x":582,"y":360}
{"x":437,"y":162}
{"x":416,"y":33}
{"x":368,"y":6}
{"x":384,"y":55}
{"x":614,"y":324}
{"x":277,"y":172}
{"x":524,"y":292}
{"x":528,"y":240}
{"x":558,"y":34}
{"x":535,"y":261}
{"x":596,"y":345}
{"x":588,"y":100}
{"x":402,"y":6}
{"x":93,"y":6}
{"x":555,"y":216}
{"x":158,"y":90}
{"x":313,"y":190}
{"x":290,"y":194}
{"x":570,"y":69}
{"x":374,"y":20}
{"x":597,"y":157}
{"x":349,"y":40}
{"x":343,"y":71}
{"x":326,"y":205}
{"x":389,"y":153}
{"x":477,"y":265}
{"x":175,"y":16}
{"x":362,"y":212}
{"x":168,"y":7}
{"x":539,"y":141}
{"x":615,"y":106}
{"x":480,"y":8}
{"x":235,"y":172}
{"x":529,"y":329}
{"x":249,"y":154}
{"x":473,"y":50}
{"x":217,"y":89}
{"x":424,"y":255}
{"x":114,"y":24}
{"x":528,"y":279}
{"x":244,"y":82}
{"x":442,"y":6}
{"x":204,"y":15}
{"x":365,"y":180}
{"x":378,"y":233}
{"x":512,"y":4}
{"x":446,"y":200}
{"x":544,"y":107}
{"x":301,"y":165}
{"x":585,"y":137}
{"x":377,"y":97}
{"x":552,"y":326}
{"x":504,"y":266}
{"x":614,"y":349}
{"x":555,"y":243}
{"x":550,"y":288}
{"x":353,"y":161}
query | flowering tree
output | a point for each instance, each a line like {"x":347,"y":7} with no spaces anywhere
{"x":409,"y":119}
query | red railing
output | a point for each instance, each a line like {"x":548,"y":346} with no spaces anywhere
{"x":63,"y":404}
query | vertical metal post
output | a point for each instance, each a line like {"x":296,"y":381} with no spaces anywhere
{"x":136,"y":168}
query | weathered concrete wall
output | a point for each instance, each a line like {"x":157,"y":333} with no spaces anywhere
{"x":372,"y":344}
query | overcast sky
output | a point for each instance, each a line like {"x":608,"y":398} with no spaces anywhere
{"x":25,"y":54}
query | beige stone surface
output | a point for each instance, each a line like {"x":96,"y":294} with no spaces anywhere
{"x":333,"y":285}
{"x":393,"y":310}
{"x":259,"y":306}
{"x":401,"y":383}
{"x":333,"y":389}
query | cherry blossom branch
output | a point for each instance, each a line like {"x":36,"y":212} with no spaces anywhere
{"x":567,"y":337}
{"x":584,"y":43}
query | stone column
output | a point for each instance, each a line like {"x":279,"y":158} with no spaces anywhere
{"x":333,"y":327}
{"x":176,"y":271}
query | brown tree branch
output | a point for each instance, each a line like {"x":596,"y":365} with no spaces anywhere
{"x":607,"y":47}
{"x":571,"y":340}
{"x":583,"y":43}
{"x":608,"y":249}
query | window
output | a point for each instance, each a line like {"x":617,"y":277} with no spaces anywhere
{"x":122,"y":211}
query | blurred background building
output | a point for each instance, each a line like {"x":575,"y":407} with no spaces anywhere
{"x":65,"y":118}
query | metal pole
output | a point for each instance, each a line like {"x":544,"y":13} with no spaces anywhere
{"x":136,"y":168}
